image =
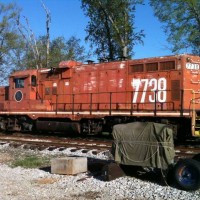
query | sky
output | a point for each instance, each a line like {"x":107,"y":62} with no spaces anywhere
{"x":68,"y":19}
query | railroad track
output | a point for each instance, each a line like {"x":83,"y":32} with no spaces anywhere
{"x":95,"y":145}
{"x":50,"y":143}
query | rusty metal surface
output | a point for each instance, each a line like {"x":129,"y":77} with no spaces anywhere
{"x":111,"y":86}
{"x":163,"y":86}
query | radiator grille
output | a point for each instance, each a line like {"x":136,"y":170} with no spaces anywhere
{"x":175,"y":90}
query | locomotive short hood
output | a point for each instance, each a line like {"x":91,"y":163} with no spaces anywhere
{"x":144,"y":144}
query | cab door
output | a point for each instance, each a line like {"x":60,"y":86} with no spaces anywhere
{"x":64,"y":95}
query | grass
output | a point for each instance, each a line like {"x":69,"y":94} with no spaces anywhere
{"x":31,"y":162}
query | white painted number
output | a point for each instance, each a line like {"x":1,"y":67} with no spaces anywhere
{"x":157,"y":88}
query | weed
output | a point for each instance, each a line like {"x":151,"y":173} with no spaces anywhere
{"x":31,"y":162}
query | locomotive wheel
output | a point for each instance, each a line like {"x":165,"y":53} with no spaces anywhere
{"x":187,"y":174}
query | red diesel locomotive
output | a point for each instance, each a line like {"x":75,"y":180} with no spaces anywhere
{"x":91,"y":98}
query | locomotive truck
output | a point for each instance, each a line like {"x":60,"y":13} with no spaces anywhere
{"x":91,"y":98}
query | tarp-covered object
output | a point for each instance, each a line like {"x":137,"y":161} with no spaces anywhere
{"x":144,"y":144}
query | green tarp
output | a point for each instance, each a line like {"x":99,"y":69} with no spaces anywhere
{"x":144,"y":144}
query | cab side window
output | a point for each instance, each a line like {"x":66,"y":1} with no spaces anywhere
{"x":33,"y":81}
{"x":19,"y":82}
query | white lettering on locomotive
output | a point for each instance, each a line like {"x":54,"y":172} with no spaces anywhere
{"x":150,"y":90}
{"x":120,"y":84}
{"x":192,"y":66}
{"x":67,"y":83}
{"x":121,"y":66}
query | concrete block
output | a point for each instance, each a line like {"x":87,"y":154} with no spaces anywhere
{"x":69,"y":165}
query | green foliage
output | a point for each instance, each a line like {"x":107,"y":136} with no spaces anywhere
{"x":111,"y":27}
{"x":181,"y":20}
{"x":60,"y":49}
{"x":31,"y":162}
{"x":8,"y":36}
{"x":19,"y":49}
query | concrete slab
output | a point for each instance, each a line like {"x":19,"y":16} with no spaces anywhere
{"x":69,"y":165}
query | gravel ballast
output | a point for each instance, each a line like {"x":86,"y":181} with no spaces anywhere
{"x":19,"y":183}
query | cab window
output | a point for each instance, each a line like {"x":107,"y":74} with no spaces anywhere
{"x":33,"y":80}
{"x":19,"y":82}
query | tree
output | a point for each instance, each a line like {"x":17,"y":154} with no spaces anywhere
{"x":74,"y":51}
{"x":111,"y":27}
{"x":10,"y":41}
{"x":42,"y":52}
{"x":62,"y":49}
{"x":181,"y":20}
{"x":32,"y":54}
{"x":36,"y":57}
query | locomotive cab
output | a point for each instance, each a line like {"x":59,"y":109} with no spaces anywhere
{"x":17,"y":99}
{"x":23,"y":87}
{"x":24,"y":94}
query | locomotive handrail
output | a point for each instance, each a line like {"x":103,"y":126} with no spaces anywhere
{"x":78,"y":105}
{"x":193,"y":97}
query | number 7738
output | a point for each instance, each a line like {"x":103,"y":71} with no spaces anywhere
{"x":149,"y":90}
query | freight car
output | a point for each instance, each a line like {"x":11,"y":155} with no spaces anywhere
{"x":91,"y":98}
